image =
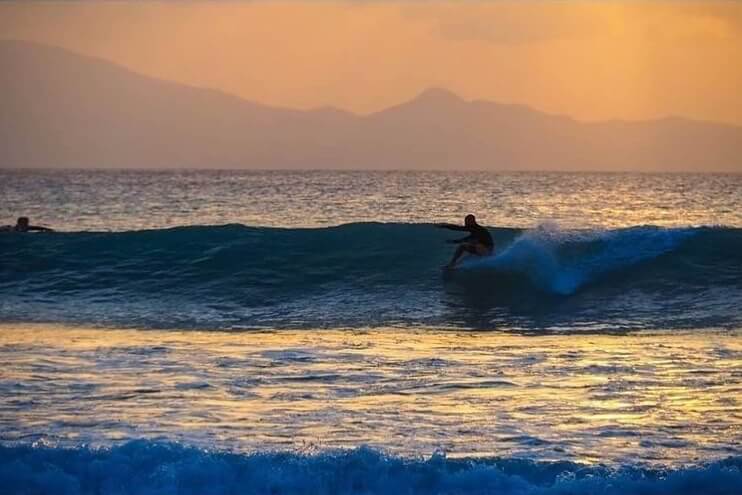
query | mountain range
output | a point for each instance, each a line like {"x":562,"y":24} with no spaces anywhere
{"x":61,"y":109}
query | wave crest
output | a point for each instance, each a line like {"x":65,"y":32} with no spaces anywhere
{"x":369,"y":273}
{"x":142,"y":467}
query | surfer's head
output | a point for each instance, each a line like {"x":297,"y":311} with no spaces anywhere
{"x":469,"y":220}
{"x":22,"y":223}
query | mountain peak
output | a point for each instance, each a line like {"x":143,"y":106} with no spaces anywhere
{"x":438,"y":94}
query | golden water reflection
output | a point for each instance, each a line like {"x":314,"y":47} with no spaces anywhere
{"x":651,"y":397}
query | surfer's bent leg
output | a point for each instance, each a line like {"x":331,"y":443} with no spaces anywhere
{"x":456,"y":255}
{"x":463,"y":248}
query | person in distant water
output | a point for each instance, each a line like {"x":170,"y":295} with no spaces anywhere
{"x":23,"y":225}
{"x":478,"y":242}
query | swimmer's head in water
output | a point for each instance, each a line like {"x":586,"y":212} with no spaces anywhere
{"x":22,"y":222}
{"x":469,"y":220}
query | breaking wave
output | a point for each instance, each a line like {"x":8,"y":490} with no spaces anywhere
{"x":145,"y":467}
{"x":364,"y":274}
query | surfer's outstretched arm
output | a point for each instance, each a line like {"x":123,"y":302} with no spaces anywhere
{"x":451,"y":226}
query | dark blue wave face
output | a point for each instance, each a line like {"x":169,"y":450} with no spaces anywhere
{"x":369,"y":274}
{"x":149,"y":467}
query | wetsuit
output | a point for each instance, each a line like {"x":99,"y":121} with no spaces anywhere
{"x":477,"y":234}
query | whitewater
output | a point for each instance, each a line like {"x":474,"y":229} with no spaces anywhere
{"x":293,"y":332}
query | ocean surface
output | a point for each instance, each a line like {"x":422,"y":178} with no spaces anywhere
{"x":293,"y":332}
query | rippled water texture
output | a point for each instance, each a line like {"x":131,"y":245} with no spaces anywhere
{"x":649,"y":398}
{"x":128,"y":200}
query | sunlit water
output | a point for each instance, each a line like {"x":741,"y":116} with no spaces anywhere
{"x":126,"y":200}
{"x":645,"y":398}
{"x":598,"y":352}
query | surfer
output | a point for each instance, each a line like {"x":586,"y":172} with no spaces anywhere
{"x":23,"y":225}
{"x":478,"y":242}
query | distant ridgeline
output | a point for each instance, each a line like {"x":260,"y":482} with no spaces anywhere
{"x":60,"y":109}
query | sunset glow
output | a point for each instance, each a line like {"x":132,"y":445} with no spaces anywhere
{"x":590,"y":60}
{"x":344,"y":247}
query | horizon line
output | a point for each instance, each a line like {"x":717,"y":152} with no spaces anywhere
{"x":368,"y":170}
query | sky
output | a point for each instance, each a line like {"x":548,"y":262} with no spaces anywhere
{"x":593,"y":60}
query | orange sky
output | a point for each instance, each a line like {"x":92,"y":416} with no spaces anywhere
{"x":591,"y":60}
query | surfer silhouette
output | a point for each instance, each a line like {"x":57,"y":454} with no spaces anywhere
{"x":478,"y":242}
{"x":23,"y":225}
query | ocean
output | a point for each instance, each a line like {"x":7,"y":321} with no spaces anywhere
{"x":293,"y":332}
